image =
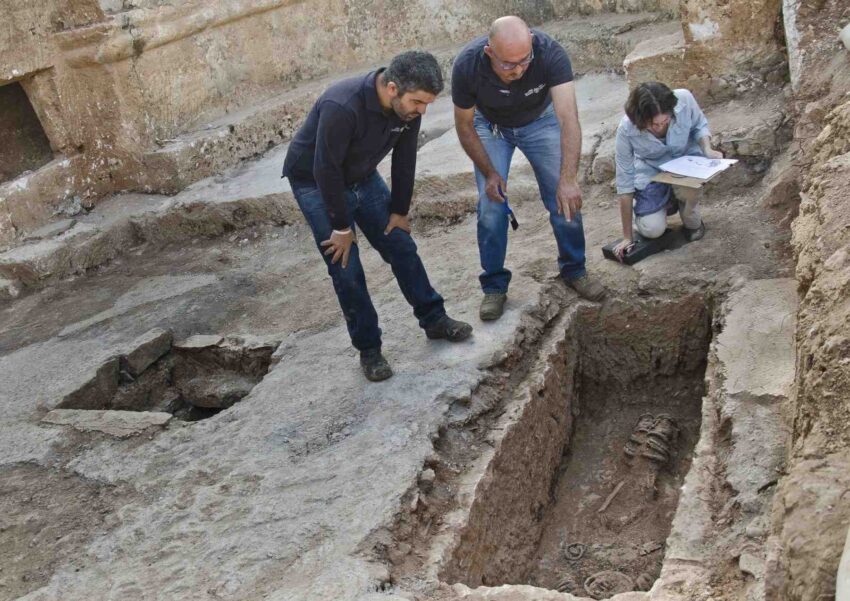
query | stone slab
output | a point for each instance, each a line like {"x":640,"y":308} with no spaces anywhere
{"x":98,"y":390}
{"x":199,"y":341}
{"x":756,"y":345}
{"x":518,"y":592}
{"x":121,"y":424}
{"x":146,"y":350}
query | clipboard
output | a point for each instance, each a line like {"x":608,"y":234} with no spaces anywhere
{"x":681,"y":180}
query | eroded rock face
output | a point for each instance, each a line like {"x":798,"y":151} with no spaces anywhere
{"x":809,"y":520}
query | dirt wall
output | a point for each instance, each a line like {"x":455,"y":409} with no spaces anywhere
{"x":812,"y":508}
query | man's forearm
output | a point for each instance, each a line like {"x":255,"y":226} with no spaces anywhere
{"x":570,"y":150}
{"x":705,"y":144}
{"x":473,"y":147}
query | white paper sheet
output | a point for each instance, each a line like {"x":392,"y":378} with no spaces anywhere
{"x":696,"y":166}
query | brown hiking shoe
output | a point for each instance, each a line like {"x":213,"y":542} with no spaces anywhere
{"x":492,"y":306}
{"x":587,"y":288}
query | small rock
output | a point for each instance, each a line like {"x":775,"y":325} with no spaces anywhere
{"x":426,"y":478}
{"x":756,"y":528}
{"x":752,"y":565}
{"x":844,"y":36}
{"x":9,"y":289}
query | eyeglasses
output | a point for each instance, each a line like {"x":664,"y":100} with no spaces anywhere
{"x":511,"y":66}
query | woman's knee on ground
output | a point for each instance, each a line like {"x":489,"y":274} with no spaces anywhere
{"x":651,"y":226}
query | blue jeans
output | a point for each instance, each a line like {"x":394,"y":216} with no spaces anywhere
{"x":368,"y":203}
{"x":540,"y":142}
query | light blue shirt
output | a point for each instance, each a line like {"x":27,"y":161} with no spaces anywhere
{"x":639,"y":153}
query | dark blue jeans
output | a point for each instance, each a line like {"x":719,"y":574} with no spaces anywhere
{"x":540,"y":142}
{"x":368,"y":204}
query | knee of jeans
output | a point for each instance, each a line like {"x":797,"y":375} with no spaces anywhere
{"x":491,"y":217}
{"x":348,"y":277}
{"x":489,"y":211}
{"x":653,"y":229}
{"x":559,"y":220}
{"x":397,"y":242}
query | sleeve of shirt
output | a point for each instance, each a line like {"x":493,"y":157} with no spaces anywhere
{"x":624,"y":159}
{"x":333,"y":136}
{"x":462,"y":94}
{"x":699,"y":124}
{"x":404,"y":168}
{"x":559,"y":69}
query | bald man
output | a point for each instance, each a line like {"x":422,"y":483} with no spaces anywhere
{"x":514,"y":89}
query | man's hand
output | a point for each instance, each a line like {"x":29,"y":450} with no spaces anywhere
{"x":397,"y":221}
{"x":713,"y":154}
{"x":495,"y":183}
{"x":622,"y":248}
{"x":339,"y":246}
{"x":569,"y":198}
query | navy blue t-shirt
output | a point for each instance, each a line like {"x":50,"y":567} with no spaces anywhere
{"x":343,"y":139}
{"x":516,"y":104}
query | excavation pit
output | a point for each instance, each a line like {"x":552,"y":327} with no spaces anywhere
{"x":193,"y":379}
{"x":581,"y":481}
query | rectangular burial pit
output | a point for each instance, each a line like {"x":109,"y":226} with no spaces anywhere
{"x":580,"y":493}
{"x":193,"y":379}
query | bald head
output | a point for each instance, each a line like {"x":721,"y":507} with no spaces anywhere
{"x":509,"y":34}
{"x":509,"y":48}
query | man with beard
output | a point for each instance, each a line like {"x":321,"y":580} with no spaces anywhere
{"x":514,"y":89}
{"x":331,"y":165}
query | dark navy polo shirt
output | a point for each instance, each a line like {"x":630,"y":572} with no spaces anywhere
{"x":516,"y":104}
{"x":345,"y":136}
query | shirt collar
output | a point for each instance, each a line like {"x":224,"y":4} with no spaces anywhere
{"x":373,"y":103}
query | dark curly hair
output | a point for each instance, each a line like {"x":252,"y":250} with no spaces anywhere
{"x":649,"y":99}
{"x":415,"y":70}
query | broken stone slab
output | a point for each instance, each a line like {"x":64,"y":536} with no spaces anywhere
{"x":51,"y":230}
{"x":121,"y":424}
{"x":844,"y":36}
{"x":249,"y":342}
{"x":216,"y":391}
{"x":97,"y":392}
{"x":199,"y":341}
{"x":524,"y":592}
{"x":146,"y":350}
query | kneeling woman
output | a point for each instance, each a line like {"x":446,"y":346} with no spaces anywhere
{"x":660,"y":125}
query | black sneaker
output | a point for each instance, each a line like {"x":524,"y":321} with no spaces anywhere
{"x":450,"y":329}
{"x":695,"y":234}
{"x":375,"y":367}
